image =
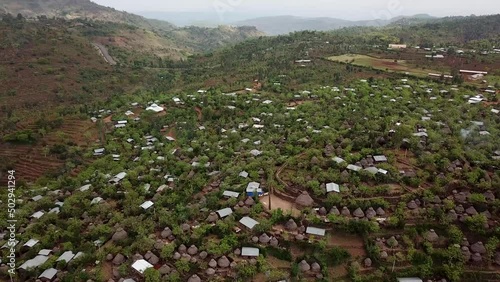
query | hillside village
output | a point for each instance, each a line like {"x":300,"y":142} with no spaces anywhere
{"x":263,"y":178}
{"x":289,"y":158}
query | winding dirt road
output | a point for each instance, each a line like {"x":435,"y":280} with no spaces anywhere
{"x":104,"y":53}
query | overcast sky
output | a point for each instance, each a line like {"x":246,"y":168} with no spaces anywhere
{"x":350,"y":9}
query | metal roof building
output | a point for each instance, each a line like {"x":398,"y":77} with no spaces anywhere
{"x":141,"y":266}
{"x":66,"y":256}
{"x":332,"y":187}
{"x":230,"y":194}
{"x":224,"y":212}
{"x":354,"y":167}
{"x":253,"y":188}
{"x":34,"y":262}
{"x":410,"y":279}
{"x":315,"y":231}
{"x":380,"y":158}
{"x":248,"y":222}
{"x":249,"y":252}
{"x":48,"y":274}
{"x":146,"y":205}
{"x":31,"y":243}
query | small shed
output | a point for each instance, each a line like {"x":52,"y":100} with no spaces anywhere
{"x":37,"y":214}
{"x":332,"y":187}
{"x":48,"y":274}
{"x":31,"y":243}
{"x":249,"y":252}
{"x":409,"y":279}
{"x":146,"y":205}
{"x":34,"y":262}
{"x":315,"y":231}
{"x":380,"y":159}
{"x":141,"y":266}
{"x":248,"y":222}
{"x":253,"y":189}
{"x":230,"y":194}
{"x":66,"y":256}
{"x":224,"y":212}
{"x":354,"y":167}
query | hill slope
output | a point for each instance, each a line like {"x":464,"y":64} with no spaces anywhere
{"x":73,"y":9}
{"x":286,"y":24}
{"x":161,"y":35}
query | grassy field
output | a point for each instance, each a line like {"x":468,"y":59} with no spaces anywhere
{"x":381,"y":64}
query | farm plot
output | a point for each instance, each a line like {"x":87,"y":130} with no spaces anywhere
{"x":390,"y":65}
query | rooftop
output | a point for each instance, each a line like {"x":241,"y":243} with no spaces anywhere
{"x":66,"y":256}
{"x":141,"y":266}
{"x":248,"y":222}
{"x":315,"y":231}
{"x":231,"y":194}
{"x":249,"y":252}
{"x":332,"y":187}
{"x":48,"y":273}
{"x":34,"y":262}
{"x":146,"y":205}
{"x":224,"y":212}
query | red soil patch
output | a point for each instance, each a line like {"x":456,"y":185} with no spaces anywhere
{"x":295,"y":103}
{"x":171,"y":133}
{"x":353,"y":244}
{"x":486,"y":104}
{"x":33,"y":161}
{"x":198,"y":113}
{"x":108,"y":119}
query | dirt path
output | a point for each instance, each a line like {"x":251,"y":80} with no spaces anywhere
{"x":104,"y":53}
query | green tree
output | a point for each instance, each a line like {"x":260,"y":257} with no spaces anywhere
{"x":152,"y":275}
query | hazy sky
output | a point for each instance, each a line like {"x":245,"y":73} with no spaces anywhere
{"x":350,"y":9}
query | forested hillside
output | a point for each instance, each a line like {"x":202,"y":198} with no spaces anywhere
{"x":151,"y":36}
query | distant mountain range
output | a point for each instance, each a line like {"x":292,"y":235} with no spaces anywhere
{"x":285,"y":24}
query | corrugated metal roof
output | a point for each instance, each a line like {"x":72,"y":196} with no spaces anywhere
{"x":252,"y":186}
{"x":354,"y":167}
{"x":34,"y":262}
{"x":48,"y":273}
{"x":331,"y":187}
{"x":85,"y":187}
{"x":141,"y":265}
{"x":316,"y":231}
{"x":66,"y":256}
{"x":224,"y":212}
{"x":380,"y":158}
{"x":338,"y":160}
{"x":31,"y":243}
{"x":37,"y":198}
{"x":45,"y":252}
{"x":248,"y":222}
{"x":146,"y":205}
{"x":372,"y":170}
{"x":410,"y":279}
{"x":38,"y":214}
{"x":249,"y":252}
{"x":231,"y":194}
